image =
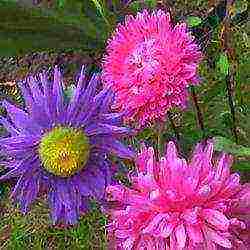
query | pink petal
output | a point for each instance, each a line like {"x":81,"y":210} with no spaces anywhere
{"x":180,"y":234}
{"x":154,"y":223}
{"x":166,"y":228}
{"x":218,"y":239}
{"x":150,"y":163}
{"x":146,"y":243}
{"x":232,"y":185}
{"x":223,"y":167}
{"x":209,"y":150}
{"x":173,"y":243}
{"x":216,"y":218}
{"x":171,"y":152}
{"x":128,"y":244}
{"x":210,"y":245}
{"x":115,"y":193}
{"x":122,"y":233}
{"x":191,"y":215}
{"x":194,"y":233}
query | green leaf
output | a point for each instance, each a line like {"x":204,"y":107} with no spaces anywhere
{"x":193,"y":21}
{"x":151,"y":3}
{"x":139,"y":5}
{"x":135,"y":6}
{"x":223,"y":64}
{"x":27,"y":29}
{"x":239,"y":6}
{"x":100,"y":7}
{"x":226,"y":145}
{"x":242,"y":166}
{"x":61,"y":3}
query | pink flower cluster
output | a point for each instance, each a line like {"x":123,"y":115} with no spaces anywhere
{"x":149,"y":64}
{"x":175,"y":204}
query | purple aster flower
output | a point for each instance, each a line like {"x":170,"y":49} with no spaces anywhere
{"x":61,"y":147}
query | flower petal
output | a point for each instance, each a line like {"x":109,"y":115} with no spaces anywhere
{"x":216,"y":219}
{"x":180,"y":234}
{"x":217,"y":238}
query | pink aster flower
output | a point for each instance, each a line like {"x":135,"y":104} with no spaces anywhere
{"x":174,"y":204}
{"x":149,"y":64}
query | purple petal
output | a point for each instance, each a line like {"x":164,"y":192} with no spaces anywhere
{"x":110,"y":145}
{"x":21,"y":119}
{"x":74,"y":102}
{"x":62,"y":187}
{"x":84,"y":117}
{"x":35,"y":90}
{"x":88,"y":94}
{"x":82,"y":186}
{"x":19,"y":141}
{"x":112,"y":118}
{"x":21,"y":167}
{"x":58,"y":90}
{"x":96,"y":181}
{"x":95,"y":129}
{"x":10,"y":128}
{"x":103,"y":100}
{"x":30,"y":192}
{"x":55,"y":206}
{"x":29,"y":101}
{"x":49,"y":102}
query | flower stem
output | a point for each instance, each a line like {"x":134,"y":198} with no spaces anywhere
{"x":176,"y":133}
{"x":226,"y":45}
{"x":159,"y":129}
{"x":229,"y":80}
{"x":198,"y":111}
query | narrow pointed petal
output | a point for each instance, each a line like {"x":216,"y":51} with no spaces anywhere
{"x":113,"y":119}
{"x":100,"y":128}
{"x":180,"y":234}
{"x":10,"y":128}
{"x":154,"y":223}
{"x":194,"y":233}
{"x":21,"y":119}
{"x":73,"y":105}
{"x":58,"y":90}
{"x":50,"y":101}
{"x":217,"y":238}
{"x":35,"y":90}
{"x":90,"y":91}
{"x":216,"y":219}
{"x":115,"y":147}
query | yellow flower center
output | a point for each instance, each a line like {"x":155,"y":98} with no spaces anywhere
{"x":64,"y":151}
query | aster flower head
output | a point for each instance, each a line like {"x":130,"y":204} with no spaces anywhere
{"x":149,"y":64}
{"x":175,"y":204}
{"x":60,"y":147}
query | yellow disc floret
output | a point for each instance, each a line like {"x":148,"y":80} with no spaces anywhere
{"x":64,"y":151}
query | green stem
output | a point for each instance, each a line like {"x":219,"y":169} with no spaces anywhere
{"x":229,"y":79}
{"x":198,"y":111}
{"x":159,"y":131}
{"x":176,"y":133}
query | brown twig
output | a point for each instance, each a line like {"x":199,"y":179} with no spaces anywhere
{"x":159,"y":131}
{"x":229,"y":81}
{"x":198,"y":111}
{"x":176,"y":133}
{"x":225,"y":45}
